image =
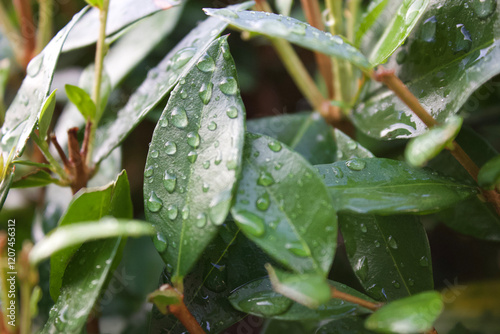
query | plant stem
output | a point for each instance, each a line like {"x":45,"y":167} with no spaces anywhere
{"x":181,"y":312}
{"x":44,"y":32}
{"x":25,"y":16}
{"x":54,"y":165}
{"x":355,"y":300}
{"x":353,"y":6}
{"x":99,"y":60}
{"x":12,"y":34}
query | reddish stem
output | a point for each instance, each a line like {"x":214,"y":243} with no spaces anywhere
{"x":355,"y":300}
{"x":28,"y":29}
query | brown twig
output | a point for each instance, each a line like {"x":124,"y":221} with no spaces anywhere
{"x":28,"y":30}
{"x":86,"y":140}
{"x":60,"y":151}
{"x":79,"y":170}
{"x":355,"y":300}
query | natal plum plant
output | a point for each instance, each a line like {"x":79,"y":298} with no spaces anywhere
{"x":310,"y":222}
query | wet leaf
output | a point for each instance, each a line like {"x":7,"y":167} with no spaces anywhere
{"x":348,"y":148}
{"x":75,"y":234}
{"x":489,"y":175}
{"x":90,"y":204}
{"x":347,"y":325}
{"x":82,"y":283}
{"x":428,"y":145}
{"x":160,"y":82}
{"x":38,"y":178}
{"x":82,"y":101}
{"x":194,"y":159}
{"x":46,"y":115}
{"x":409,"y":315}
{"x":121,"y":14}
{"x":384,"y":186}
{"x":292,"y":30}
{"x":398,"y":30}
{"x":305,"y":133}
{"x":452,"y":51}
{"x":375,"y":8}
{"x":390,"y":255}
{"x":284,"y":208}
{"x":258,"y":298}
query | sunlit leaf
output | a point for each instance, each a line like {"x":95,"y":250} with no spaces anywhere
{"x":82,"y":101}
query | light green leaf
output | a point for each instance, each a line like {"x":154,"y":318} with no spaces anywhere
{"x":292,"y":30}
{"x":348,"y":148}
{"x":120,"y":14}
{"x":46,"y":115}
{"x":305,"y":133}
{"x":75,"y":234}
{"x":82,"y":101}
{"x":311,"y":290}
{"x":164,"y":297}
{"x":390,"y":256}
{"x":428,"y":145}
{"x":90,"y":204}
{"x":194,"y":159}
{"x":284,"y":6}
{"x":94,"y":3}
{"x":398,"y":30}
{"x":409,"y":315}
{"x":452,"y":51}
{"x":159,"y":83}
{"x":258,"y":298}
{"x":489,"y":175}
{"x":38,"y":178}
{"x":284,"y":208}
{"x":375,"y":8}
{"x":384,"y":186}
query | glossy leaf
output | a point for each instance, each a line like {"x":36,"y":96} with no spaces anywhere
{"x":90,"y":204}
{"x":24,"y":111}
{"x":305,"y":133}
{"x":348,"y":148}
{"x":284,"y":208}
{"x":292,"y":30}
{"x":452,"y":51}
{"x":75,"y":234}
{"x":258,"y":298}
{"x":428,"y":145}
{"x":390,"y":256}
{"x":46,"y":115}
{"x":347,"y":325}
{"x":375,"y":8}
{"x":38,"y":178}
{"x":164,"y":297}
{"x":409,"y":315}
{"x":489,"y":175}
{"x":82,"y":284}
{"x":121,"y":14}
{"x":194,"y":159}
{"x":160,"y":82}
{"x":82,"y":101}
{"x":398,"y":30}
{"x":384,"y":186}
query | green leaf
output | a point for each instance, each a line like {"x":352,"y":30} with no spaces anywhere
{"x":164,"y":297}
{"x":398,"y":30}
{"x":311,"y":290}
{"x":5,"y":184}
{"x":347,"y":148}
{"x":46,"y":115}
{"x":194,"y":159}
{"x":452,"y":51}
{"x":305,"y":133}
{"x":384,"y":186}
{"x":292,"y":30}
{"x":390,"y":255}
{"x":284,"y":208}
{"x":258,"y":298}
{"x":24,"y":111}
{"x":284,"y":6}
{"x":82,"y":101}
{"x":489,"y":175}
{"x":75,"y":234}
{"x":94,"y":3}
{"x":84,"y":279}
{"x":428,"y":145}
{"x":159,"y":83}
{"x":409,"y":315}
{"x":347,"y":325}
{"x":120,"y":15}
{"x":37,"y":178}
{"x":375,"y":8}
{"x":90,"y":204}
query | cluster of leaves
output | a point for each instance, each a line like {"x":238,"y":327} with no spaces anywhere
{"x":246,"y":214}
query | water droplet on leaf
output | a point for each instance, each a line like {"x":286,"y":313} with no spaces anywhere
{"x":154,"y":202}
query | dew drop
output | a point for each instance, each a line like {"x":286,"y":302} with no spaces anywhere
{"x":377,"y":243}
{"x":154,"y":202}
{"x":154,"y":154}
{"x":424,"y":261}
{"x":216,"y":277}
{"x":263,"y":202}
{"x":179,"y":118}
{"x":172,"y":212}
{"x":337,"y":172}
{"x":355,"y":164}
{"x":232,"y":164}
{"x":411,"y":282}
{"x":163,"y":122}
{"x":249,"y":222}
{"x":228,"y":13}
{"x":206,"y":92}
{"x":298,"y":249}
{"x":361,"y":268}
{"x":266,"y":303}
{"x":182,"y":57}
{"x":232,"y":112}
{"x":193,"y":139}
{"x":212,"y":126}
{"x":206,"y":64}
{"x":205,"y":187}
{"x":192,"y":156}
{"x":392,"y":242}
{"x":484,"y":8}
{"x":169,"y":182}
{"x":463,"y":41}
{"x":228,"y":86}
{"x":185,"y":212}
{"x":148,"y":172}
{"x":265,"y":179}
{"x":160,"y":242}
{"x":170,"y":148}
{"x":299,"y":29}
{"x":201,"y":220}
{"x":206,"y":164}
{"x":428,"y":30}
{"x":363,"y":228}
{"x":35,"y":65}
{"x":274,"y":145}
{"x":396,"y":284}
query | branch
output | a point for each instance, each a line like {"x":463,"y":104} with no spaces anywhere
{"x":355,"y":300}
{"x":25,"y":16}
